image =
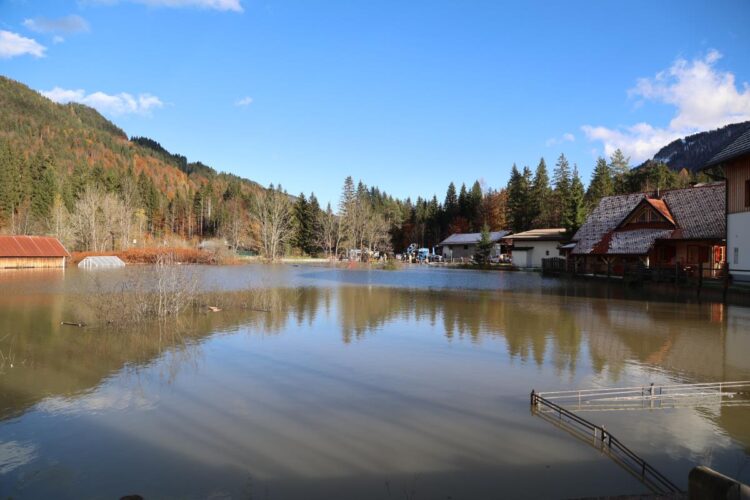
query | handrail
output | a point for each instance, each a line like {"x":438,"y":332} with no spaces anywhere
{"x":648,"y":472}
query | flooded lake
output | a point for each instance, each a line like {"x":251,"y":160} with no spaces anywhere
{"x":354,"y":383}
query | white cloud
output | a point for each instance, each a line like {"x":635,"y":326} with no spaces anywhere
{"x":66,"y":25}
{"x":13,"y":44}
{"x":57,"y":39}
{"x":222,"y":5}
{"x":245,"y":101}
{"x":566,"y":137}
{"x":704,"y":98}
{"x":112,"y":104}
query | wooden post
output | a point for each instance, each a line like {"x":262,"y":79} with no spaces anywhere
{"x":700,"y":277}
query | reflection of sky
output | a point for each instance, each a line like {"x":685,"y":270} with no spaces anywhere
{"x":366,"y":386}
{"x":14,"y":455}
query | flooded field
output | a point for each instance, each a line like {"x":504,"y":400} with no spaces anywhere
{"x":354,"y":384}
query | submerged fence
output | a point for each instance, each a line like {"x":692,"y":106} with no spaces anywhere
{"x":627,"y":458}
{"x":735,"y":393}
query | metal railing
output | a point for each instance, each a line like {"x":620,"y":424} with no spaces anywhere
{"x":644,"y":471}
{"x":734,"y":393}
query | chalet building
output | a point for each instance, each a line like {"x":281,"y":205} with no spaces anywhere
{"x":464,"y":245}
{"x":676,"y":228}
{"x":31,"y":251}
{"x":735,"y":159}
{"x":530,"y":247}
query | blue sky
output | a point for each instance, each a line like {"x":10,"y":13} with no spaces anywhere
{"x":407,"y":96}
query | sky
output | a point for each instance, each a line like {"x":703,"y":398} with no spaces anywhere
{"x":406,"y":96}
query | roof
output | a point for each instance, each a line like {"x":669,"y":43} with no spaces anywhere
{"x":697,"y":213}
{"x":661,"y":207}
{"x":31,"y":246}
{"x":99,"y":261}
{"x":553,"y":234}
{"x":740,"y":147}
{"x":472,"y":238}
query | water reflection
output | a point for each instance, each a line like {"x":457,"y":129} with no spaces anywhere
{"x":354,"y":391}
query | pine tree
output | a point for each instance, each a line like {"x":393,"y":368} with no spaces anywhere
{"x":475,"y":206}
{"x":451,"y":201}
{"x":600,"y":185}
{"x":540,"y":197}
{"x":484,"y":247}
{"x":518,"y":199}
{"x":575,"y":213}
{"x":619,"y":166}
{"x":463,"y":203}
{"x":561,"y":177}
{"x":43,"y":188}
{"x":303,"y":238}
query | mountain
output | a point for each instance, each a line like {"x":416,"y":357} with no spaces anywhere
{"x":694,"y":151}
{"x":51,"y":151}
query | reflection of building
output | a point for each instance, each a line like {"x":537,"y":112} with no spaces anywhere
{"x":464,"y":245}
{"x":31,"y":251}
{"x":679,"y":227}
{"x":735,"y":159}
{"x":530,"y":247}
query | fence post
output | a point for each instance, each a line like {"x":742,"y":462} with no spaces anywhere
{"x":533,"y":398}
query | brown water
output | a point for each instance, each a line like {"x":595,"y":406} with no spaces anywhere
{"x":355,"y":384}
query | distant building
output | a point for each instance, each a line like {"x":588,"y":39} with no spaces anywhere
{"x":101,"y":262}
{"x":31,"y":251}
{"x":464,"y":245}
{"x":530,"y":247}
{"x":735,"y":159}
{"x":679,"y":227}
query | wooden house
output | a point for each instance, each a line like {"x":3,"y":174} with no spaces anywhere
{"x":682,"y":228}
{"x":735,"y":159}
{"x":31,"y":251}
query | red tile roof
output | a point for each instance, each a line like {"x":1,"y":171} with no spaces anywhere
{"x":31,"y":246}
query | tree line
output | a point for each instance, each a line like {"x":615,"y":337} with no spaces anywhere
{"x":97,"y":208}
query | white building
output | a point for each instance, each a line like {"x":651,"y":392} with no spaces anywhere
{"x":463,"y":246}
{"x":530,"y":247}
{"x":735,"y":159}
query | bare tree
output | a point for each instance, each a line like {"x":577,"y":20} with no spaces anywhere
{"x":234,"y":227}
{"x":99,"y":219}
{"x":330,"y":231}
{"x":272,"y":213}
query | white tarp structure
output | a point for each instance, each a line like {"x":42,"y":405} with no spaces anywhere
{"x":101,"y":262}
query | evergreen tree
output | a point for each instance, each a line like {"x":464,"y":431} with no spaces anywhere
{"x":575,"y":213}
{"x":475,"y":206}
{"x":600,"y":185}
{"x":304,"y":236}
{"x":619,"y":167}
{"x":561,"y":177}
{"x":451,"y":201}
{"x":43,"y":188}
{"x":518,"y":199}
{"x":463,"y":203}
{"x":540,"y":197}
{"x":484,"y":247}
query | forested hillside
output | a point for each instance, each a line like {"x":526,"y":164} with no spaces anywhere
{"x":55,"y":159}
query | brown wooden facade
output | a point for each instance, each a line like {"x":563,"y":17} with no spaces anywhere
{"x":738,"y":185}
{"x":31,"y":262}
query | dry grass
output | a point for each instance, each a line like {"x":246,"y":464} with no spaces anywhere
{"x":154,"y":254}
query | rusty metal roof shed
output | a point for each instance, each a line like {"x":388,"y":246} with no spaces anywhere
{"x":31,"y":246}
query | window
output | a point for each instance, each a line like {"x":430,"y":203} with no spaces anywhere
{"x":736,"y":255}
{"x":547,"y":252}
{"x":466,"y":247}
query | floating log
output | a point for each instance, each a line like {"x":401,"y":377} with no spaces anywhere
{"x":71,"y":323}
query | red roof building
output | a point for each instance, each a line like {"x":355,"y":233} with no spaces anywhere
{"x":31,"y":251}
{"x":678,"y":227}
